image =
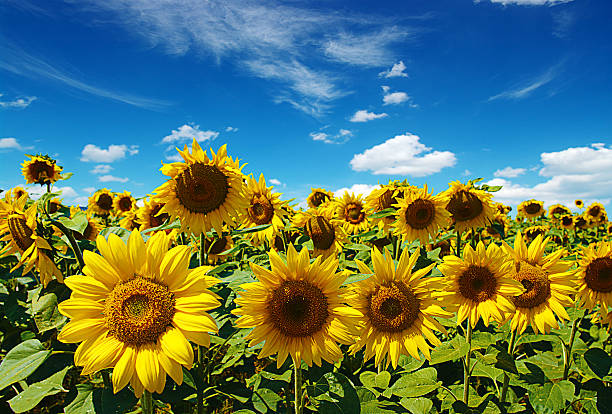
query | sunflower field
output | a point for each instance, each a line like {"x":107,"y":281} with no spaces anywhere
{"x":215,"y":295}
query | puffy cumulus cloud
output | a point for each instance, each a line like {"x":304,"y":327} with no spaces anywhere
{"x":509,"y":172}
{"x":19,"y":103}
{"x":9,"y":143}
{"x":275,"y":181}
{"x":403,"y":155}
{"x":93,"y":153}
{"x":578,"y":172}
{"x":189,"y":132}
{"x":363,"y":189}
{"x":111,"y":178}
{"x":341,"y":137}
{"x":363,"y":115}
{"x":396,"y":98}
{"x":102,"y":169}
{"x":396,"y":71}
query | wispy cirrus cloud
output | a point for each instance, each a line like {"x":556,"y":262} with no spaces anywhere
{"x":19,"y":62}
{"x":527,"y":2}
{"x":524,"y":89}
{"x":341,"y":137}
{"x":19,"y":103}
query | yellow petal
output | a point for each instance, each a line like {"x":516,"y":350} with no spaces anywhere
{"x":124,"y":369}
{"x":175,"y":345}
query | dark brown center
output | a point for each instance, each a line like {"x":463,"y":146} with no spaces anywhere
{"x":533,"y":208}
{"x":218,"y":245}
{"x":477,"y":283}
{"x":261,"y":210}
{"x":321,"y":231}
{"x":201,"y":188}
{"x":353,"y":213}
{"x":20,"y":232}
{"x":393,"y":307}
{"x":464,"y":206}
{"x":319,"y":198}
{"x":594,"y":211}
{"x":536,"y":283}
{"x":105,"y":202}
{"x":598,"y":275}
{"x":125,"y":203}
{"x":156,"y":220}
{"x":420,"y":213}
{"x":41,"y":171}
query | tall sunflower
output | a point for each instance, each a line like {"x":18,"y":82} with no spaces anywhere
{"x":18,"y":229}
{"x":323,"y":229}
{"x":421,"y":215}
{"x":319,"y":197}
{"x":381,"y":199}
{"x":123,"y":203}
{"x":579,"y":203}
{"x":595,"y":210}
{"x":151,"y":215}
{"x":480,"y":283}
{"x":101,"y":202}
{"x":297,"y":309}
{"x":203,"y":192}
{"x":534,"y":231}
{"x":531,"y":208}
{"x":217,"y":245}
{"x":264,"y":207}
{"x":556,"y":211}
{"x":469,"y":207}
{"x":595,"y":276}
{"x":41,"y":169}
{"x":549,"y":283}
{"x":18,"y":192}
{"x":351,"y":211}
{"x":399,"y":308}
{"x":136,"y":309}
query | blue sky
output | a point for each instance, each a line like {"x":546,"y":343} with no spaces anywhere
{"x":334,"y":94}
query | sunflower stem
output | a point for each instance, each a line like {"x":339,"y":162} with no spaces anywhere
{"x":203,"y":252}
{"x":146,"y":402}
{"x":398,"y":246}
{"x":298,"y":387}
{"x":199,"y":385}
{"x":466,"y":364}
{"x":504,"y":390}
{"x":567,"y":355}
{"x":73,"y":244}
{"x":458,"y":247}
{"x":106,"y":379}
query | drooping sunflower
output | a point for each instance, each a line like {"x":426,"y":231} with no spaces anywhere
{"x":481,"y":283}
{"x":500,"y":222}
{"x":203,"y":192}
{"x":130,"y":220}
{"x":101,"y":202}
{"x":351,"y":211}
{"x":297,"y":309}
{"x":531,"y":208}
{"x":123,"y":203}
{"x":18,"y":192}
{"x":534,"y":231}
{"x":54,"y":205}
{"x":567,"y":222}
{"x":40,"y":169}
{"x":421,"y":215}
{"x":323,"y":229}
{"x":381,"y":199}
{"x":549,"y":283}
{"x":18,"y":230}
{"x":215,"y":246}
{"x":136,"y":309}
{"x":151,"y":215}
{"x":556,"y":211}
{"x":579,"y":203}
{"x":595,"y":276}
{"x":580,"y":222}
{"x":264,"y":207}
{"x":399,"y":307}
{"x":469,"y":207}
{"x":595,"y":210}
{"x":319,"y":197}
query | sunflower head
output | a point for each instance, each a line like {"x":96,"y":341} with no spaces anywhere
{"x":123,"y":203}
{"x":54,"y":205}
{"x":531,"y":209}
{"x":216,"y":246}
{"x":203,"y":192}
{"x":319,"y":197}
{"x":534,"y":231}
{"x":468,"y":206}
{"x":351,"y":212}
{"x":264,"y":207}
{"x":18,"y":192}
{"x":101,"y":202}
{"x":595,"y":210}
{"x":579,"y":203}
{"x":556,"y":211}
{"x":567,"y":221}
{"x":151,"y":215}
{"x":595,"y":275}
{"x":91,"y":231}
{"x":324,"y":230}
{"x":581,"y":222}
{"x":130,"y":220}
{"x":421,"y":214}
{"x":387,"y":196}
{"x":40,"y":169}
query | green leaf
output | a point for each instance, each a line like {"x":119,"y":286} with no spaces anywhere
{"x":506,"y":362}
{"x":46,"y":313}
{"x":32,"y":395}
{"x":335,"y":394}
{"x":254,"y":229}
{"x":21,"y":361}
{"x":83,"y":403}
{"x":419,"y":405}
{"x":416,"y":384}
{"x":450,"y":351}
{"x":551,"y":398}
{"x":599,"y":361}
{"x":265,"y":399}
{"x":382,"y":379}
{"x":383,"y":213}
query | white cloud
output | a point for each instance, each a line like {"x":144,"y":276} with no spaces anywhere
{"x":396,"y":98}
{"x":19,"y":103}
{"x":341,"y":137}
{"x":363,"y":115}
{"x":111,"y":178}
{"x":188,"y":133}
{"x":66,"y":192}
{"x":9,"y":143}
{"x":403,"y":155}
{"x":102,"y":169}
{"x":579,"y":172}
{"x":176,"y":157}
{"x":363,"y":189}
{"x":93,"y":153}
{"x":466,"y":173}
{"x":274,"y":181}
{"x":231,"y":129}
{"x":89,"y":189}
{"x":509,"y":172}
{"x":396,"y":71}
{"x":528,"y":2}
{"x":525,"y":89}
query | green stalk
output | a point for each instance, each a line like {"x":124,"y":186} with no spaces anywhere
{"x":73,"y":244}
{"x":398,"y":246}
{"x":107,"y":380}
{"x":458,"y":247}
{"x":466,"y":364}
{"x":146,"y":402}
{"x":298,"y":387}
{"x":504,"y":391}
{"x":567,"y":355}
{"x":199,"y":388}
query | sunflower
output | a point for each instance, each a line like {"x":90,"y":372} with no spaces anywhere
{"x":203,"y":192}
{"x":215,"y":246}
{"x":91,"y":231}
{"x":325,"y":232}
{"x":130,"y":220}
{"x":123,"y":202}
{"x":567,"y":222}
{"x":548,"y":282}
{"x":383,"y":198}
{"x":40,"y":169}
{"x":595,"y":276}
{"x":469,"y":207}
{"x":101,"y":202}
{"x":579,"y":203}
{"x":531,"y":208}
{"x":18,"y":229}
{"x":421,"y":214}
{"x":136,"y":309}
{"x":502,"y":221}
{"x":580,"y":222}
{"x":151,"y":215}
{"x":480,"y":283}
{"x":502,"y":208}
{"x":595,"y":210}
{"x":351,"y":211}
{"x":399,"y":308}
{"x":264,"y":208}
{"x":54,"y":205}
{"x":18,"y":192}
{"x":297,"y":309}
{"x":534,"y":231}
{"x":319,"y":197}
{"x":558,"y":210}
